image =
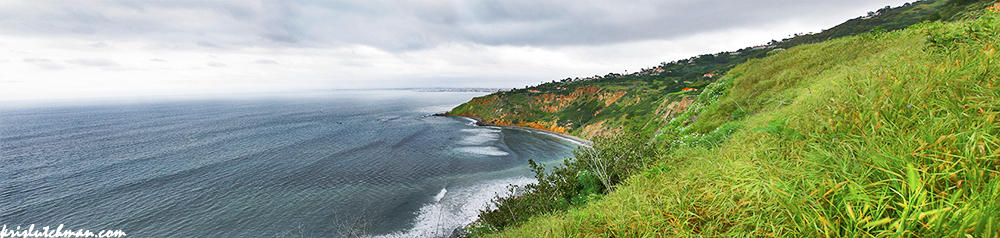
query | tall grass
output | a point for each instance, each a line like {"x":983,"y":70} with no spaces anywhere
{"x":593,"y":172}
{"x":879,"y":135}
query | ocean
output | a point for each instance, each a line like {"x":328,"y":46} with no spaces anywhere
{"x":315,"y":164}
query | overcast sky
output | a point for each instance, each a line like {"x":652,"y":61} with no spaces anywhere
{"x":65,"y":49}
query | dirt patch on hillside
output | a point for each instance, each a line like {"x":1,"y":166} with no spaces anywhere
{"x":597,"y":129}
{"x":675,"y":108}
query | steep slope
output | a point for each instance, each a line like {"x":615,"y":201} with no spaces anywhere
{"x":582,"y":110}
{"x":644,"y":101}
{"x":880,"y":134}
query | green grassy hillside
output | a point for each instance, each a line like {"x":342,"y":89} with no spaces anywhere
{"x":874,"y":135}
{"x":643,"y":101}
{"x":877,"y":133}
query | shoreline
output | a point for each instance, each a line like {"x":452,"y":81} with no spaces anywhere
{"x":480,"y":122}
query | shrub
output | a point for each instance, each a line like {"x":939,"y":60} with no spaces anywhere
{"x":593,"y":172}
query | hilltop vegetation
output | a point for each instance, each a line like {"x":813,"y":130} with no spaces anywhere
{"x":890,"y":19}
{"x":896,"y":134}
{"x":883,"y":133}
{"x":643,"y":101}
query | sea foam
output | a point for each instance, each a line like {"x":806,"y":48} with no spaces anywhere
{"x":483,"y":150}
{"x":481,"y":141}
{"x":457,"y":208}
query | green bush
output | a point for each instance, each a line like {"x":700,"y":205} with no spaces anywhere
{"x":593,"y":172}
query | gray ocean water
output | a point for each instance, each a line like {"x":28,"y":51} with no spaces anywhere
{"x":319,"y":164}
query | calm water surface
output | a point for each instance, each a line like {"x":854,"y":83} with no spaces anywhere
{"x":296,"y":165}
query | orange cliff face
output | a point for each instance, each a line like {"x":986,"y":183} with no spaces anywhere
{"x":498,"y":122}
{"x":611,"y":98}
{"x":490,"y":111}
{"x":548,"y":126}
{"x":554,"y":102}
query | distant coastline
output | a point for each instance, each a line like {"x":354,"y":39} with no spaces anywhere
{"x":480,"y":122}
{"x":452,"y":90}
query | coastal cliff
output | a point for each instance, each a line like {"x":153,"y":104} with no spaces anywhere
{"x":644,"y":101}
{"x":576,"y":109}
{"x":888,"y":131}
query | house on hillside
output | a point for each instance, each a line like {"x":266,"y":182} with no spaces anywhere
{"x":658,"y":70}
{"x":689,"y":89}
{"x":534,"y":91}
{"x":710,"y":75}
{"x":761,"y":47}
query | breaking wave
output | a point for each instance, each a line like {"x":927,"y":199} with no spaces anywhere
{"x":454,"y":209}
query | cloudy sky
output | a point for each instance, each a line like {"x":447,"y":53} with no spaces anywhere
{"x":67,"y":49}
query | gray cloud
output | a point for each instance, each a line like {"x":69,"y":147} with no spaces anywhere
{"x":401,"y":25}
{"x":100,"y":45}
